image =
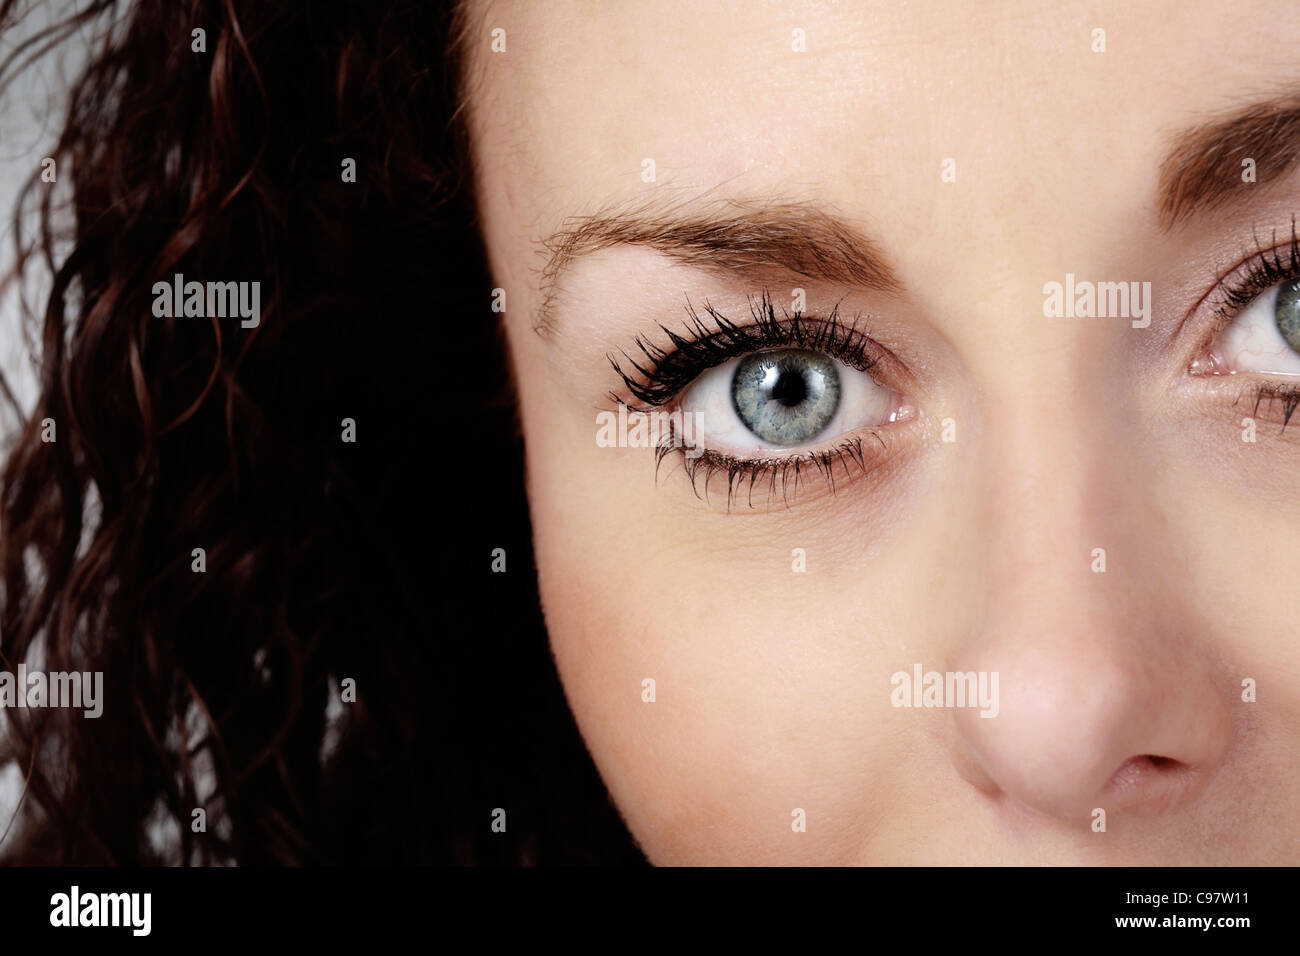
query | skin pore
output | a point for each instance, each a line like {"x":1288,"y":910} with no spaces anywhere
{"x":965,"y":536}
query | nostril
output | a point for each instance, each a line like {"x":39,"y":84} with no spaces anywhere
{"x":1137,"y":770}
{"x":1150,"y":782}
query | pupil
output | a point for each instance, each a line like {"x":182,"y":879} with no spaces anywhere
{"x":790,"y":389}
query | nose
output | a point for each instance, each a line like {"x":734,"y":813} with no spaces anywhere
{"x":1109,"y":695}
{"x":1083,"y":722}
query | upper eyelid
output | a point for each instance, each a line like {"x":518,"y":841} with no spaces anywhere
{"x":1222,"y":292}
{"x":882,"y":356}
{"x":1269,"y":257}
{"x":844,"y":339}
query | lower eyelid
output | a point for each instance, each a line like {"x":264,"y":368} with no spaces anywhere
{"x":1248,"y":398}
{"x":762,"y":482}
{"x":790,"y":478}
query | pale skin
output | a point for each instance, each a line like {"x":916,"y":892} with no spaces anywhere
{"x":978,"y":553}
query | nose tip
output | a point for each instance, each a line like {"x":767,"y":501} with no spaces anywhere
{"x":1076,"y":732}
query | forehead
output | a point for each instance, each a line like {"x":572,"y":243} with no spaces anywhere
{"x":855,"y":104}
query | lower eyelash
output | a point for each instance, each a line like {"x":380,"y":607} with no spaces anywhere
{"x":1267,"y":393}
{"x":780,"y":475}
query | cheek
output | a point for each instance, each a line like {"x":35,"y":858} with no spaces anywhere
{"x":1237,"y":523}
{"x":771,"y":689}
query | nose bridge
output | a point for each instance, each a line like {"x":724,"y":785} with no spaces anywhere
{"x":1053,"y":488}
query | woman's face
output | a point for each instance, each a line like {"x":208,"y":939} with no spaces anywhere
{"x":968,"y":471}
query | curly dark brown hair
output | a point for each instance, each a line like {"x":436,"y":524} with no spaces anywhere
{"x":326,"y":560}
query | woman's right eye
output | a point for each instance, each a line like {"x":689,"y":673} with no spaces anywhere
{"x":1264,"y":336}
{"x":783,"y":399}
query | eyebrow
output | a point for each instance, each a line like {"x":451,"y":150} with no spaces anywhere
{"x":726,"y":235}
{"x":1203,"y":169}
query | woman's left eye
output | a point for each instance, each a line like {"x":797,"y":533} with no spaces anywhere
{"x":784,"y":399}
{"x":1264,"y":337}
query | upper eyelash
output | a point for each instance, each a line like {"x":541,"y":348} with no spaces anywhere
{"x":662,"y":373}
{"x":1266,"y":268}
